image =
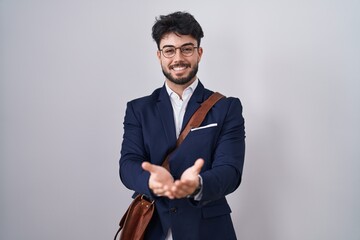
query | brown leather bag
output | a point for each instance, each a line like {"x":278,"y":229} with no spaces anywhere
{"x":137,"y":217}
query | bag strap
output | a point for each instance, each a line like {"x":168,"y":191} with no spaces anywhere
{"x":196,"y":119}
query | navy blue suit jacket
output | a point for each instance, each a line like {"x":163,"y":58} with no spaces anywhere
{"x":149,"y":135}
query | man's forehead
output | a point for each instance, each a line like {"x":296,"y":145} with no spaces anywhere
{"x":175,"y":39}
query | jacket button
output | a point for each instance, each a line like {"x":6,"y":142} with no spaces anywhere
{"x":173,"y":210}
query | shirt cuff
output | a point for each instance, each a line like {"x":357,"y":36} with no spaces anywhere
{"x":198,"y":196}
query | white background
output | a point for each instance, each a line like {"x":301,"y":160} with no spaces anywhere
{"x":68,"y":67}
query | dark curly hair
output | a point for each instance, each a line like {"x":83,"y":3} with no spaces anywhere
{"x":181,"y":23}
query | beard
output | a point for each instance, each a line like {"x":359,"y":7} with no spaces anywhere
{"x":182,"y":80}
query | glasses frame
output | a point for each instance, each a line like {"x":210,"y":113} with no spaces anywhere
{"x":176,"y":48}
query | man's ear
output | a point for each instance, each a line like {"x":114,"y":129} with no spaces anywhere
{"x":158,"y":53}
{"x":200,"y":53}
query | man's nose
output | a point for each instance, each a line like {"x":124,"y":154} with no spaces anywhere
{"x":178,"y":55}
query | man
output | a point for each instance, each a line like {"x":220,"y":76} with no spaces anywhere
{"x":190,"y":198}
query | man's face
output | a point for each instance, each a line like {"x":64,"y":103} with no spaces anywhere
{"x":179,"y":69}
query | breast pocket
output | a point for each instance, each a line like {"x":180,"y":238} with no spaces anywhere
{"x":204,"y":130}
{"x":201,"y":142}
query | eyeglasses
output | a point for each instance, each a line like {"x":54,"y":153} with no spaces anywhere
{"x":170,"y":51}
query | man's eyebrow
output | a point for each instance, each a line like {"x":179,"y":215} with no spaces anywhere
{"x":185,"y":44}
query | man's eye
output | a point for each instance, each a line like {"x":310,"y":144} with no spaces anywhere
{"x":169,"y":51}
{"x":186,"y":49}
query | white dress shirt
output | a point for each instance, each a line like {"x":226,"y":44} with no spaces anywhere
{"x":179,"y":105}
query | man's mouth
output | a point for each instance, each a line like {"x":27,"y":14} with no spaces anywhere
{"x":179,"y":67}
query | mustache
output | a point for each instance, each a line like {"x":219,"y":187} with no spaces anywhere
{"x":180,"y":64}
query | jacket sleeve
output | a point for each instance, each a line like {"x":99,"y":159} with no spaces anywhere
{"x":225,"y":173}
{"x":133,"y":154}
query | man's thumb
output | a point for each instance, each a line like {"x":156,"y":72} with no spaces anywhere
{"x":147,"y":166}
{"x":199,"y":163}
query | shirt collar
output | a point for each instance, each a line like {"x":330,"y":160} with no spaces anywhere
{"x":189,"y":90}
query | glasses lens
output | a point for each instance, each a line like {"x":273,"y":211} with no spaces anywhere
{"x":187,"y":50}
{"x":169,"y":51}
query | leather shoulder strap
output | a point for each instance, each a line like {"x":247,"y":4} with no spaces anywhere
{"x":196,"y":119}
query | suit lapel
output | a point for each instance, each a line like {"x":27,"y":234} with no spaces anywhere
{"x":166,"y":112}
{"x":167,"y":118}
{"x":194,"y":103}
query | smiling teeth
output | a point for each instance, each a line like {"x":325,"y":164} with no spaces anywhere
{"x":179,"y":68}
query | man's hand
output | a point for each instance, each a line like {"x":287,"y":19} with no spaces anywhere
{"x":188,"y":182}
{"x":160,"y":181}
